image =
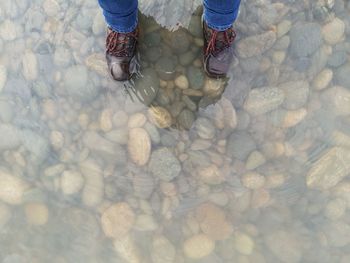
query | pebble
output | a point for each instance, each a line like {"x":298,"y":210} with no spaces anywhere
{"x":211,"y":175}
{"x":143,"y":185}
{"x":106,"y":123}
{"x":51,"y":7}
{"x":3,"y":77}
{"x":182,"y":82}
{"x":292,"y":118}
{"x":254,"y":160}
{"x":117,"y":220}
{"x":244,"y":244}
{"x":12,"y":188}
{"x":195,"y":77}
{"x":198,"y":246}
{"x":93,"y":191}
{"x":30,"y":66}
{"x":263,"y":100}
{"x":256,"y":45}
{"x":12,"y":137}
{"x":139,"y":146}
{"x":126,"y":248}
{"x":71,"y":182}
{"x":137,"y":120}
{"x":333,"y":32}
{"x":342,"y":76}
{"x":338,"y":100}
{"x":36,"y":213}
{"x":214,"y":87}
{"x":323,"y":79}
{"x":145,"y":222}
{"x":205,"y":129}
{"x":240,"y":145}
{"x":163,"y":251}
{"x":164,"y":164}
{"x":8,"y":31}
{"x":186,"y":119}
{"x":160,"y":117}
{"x":283,"y":28}
{"x":335,"y":209}
{"x":329,"y":169}
{"x":296,"y":94}
{"x":253,"y":180}
{"x":5,"y":215}
{"x":306,"y":38}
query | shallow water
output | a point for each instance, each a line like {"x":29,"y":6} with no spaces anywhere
{"x":173,"y":166}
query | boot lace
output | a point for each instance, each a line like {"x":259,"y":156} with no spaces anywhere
{"x":219,"y":40}
{"x":121,"y":44}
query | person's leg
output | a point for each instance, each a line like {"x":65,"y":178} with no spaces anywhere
{"x":120,"y":15}
{"x":220,"y":14}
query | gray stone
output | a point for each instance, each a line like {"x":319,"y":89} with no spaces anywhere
{"x":164,"y":164}
{"x":165,"y":67}
{"x":195,"y":27}
{"x":195,"y":77}
{"x":179,"y":41}
{"x":263,"y":100}
{"x":10,"y":138}
{"x":306,"y":38}
{"x":147,"y":87}
{"x":337,"y":59}
{"x":6,"y":111}
{"x":296,"y":94}
{"x":205,"y":128}
{"x":186,"y":119}
{"x":256,"y":45}
{"x":37,"y":144}
{"x":143,"y":185}
{"x":240,"y":145}
{"x":342,"y":76}
{"x":78,"y":85}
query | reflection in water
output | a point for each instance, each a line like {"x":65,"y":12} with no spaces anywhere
{"x":173,"y":166}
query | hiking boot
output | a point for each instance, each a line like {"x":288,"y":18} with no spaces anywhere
{"x":121,"y":53}
{"x":218,"y":51}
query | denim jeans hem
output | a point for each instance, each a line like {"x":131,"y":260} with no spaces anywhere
{"x":217,"y":28}
{"x":120,"y":29}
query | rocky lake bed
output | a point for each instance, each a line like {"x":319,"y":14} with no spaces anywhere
{"x":175,"y":167}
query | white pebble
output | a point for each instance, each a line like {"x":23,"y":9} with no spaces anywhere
{"x":71,"y":182}
{"x":3,"y":77}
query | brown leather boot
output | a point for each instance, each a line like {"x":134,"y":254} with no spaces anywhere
{"x":121,"y":54}
{"x":218,"y":51}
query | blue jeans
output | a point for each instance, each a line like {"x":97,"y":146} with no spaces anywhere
{"x":121,"y":15}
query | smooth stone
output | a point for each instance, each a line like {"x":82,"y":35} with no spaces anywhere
{"x":12,"y":188}
{"x":120,"y":119}
{"x":337,"y":99}
{"x":145,"y":222}
{"x":153,"y":54}
{"x":214,"y":87}
{"x":211,"y":175}
{"x":284,"y":245}
{"x":36,"y":144}
{"x":187,"y":58}
{"x":8,"y":31}
{"x":205,"y":128}
{"x":306,"y":38}
{"x":71,"y":182}
{"x":335,"y":209}
{"x":337,"y":233}
{"x":230,"y":116}
{"x":195,"y":26}
{"x":182,"y":82}
{"x":5,"y":215}
{"x":337,"y":58}
{"x":51,"y":7}
{"x":333,"y":32}
{"x":62,"y":56}
{"x":137,"y":120}
{"x":163,"y":251}
{"x":93,"y":191}
{"x":153,"y":133}
{"x":292,"y":118}
{"x":189,"y":103}
{"x":168,"y":140}
{"x":244,"y":244}
{"x":30,"y":66}
{"x":98,"y":25}
{"x":11,"y":137}
{"x":256,"y":45}
{"x":96,"y":62}
{"x":296,"y":94}
{"x":106,"y":123}
{"x":36,"y":213}
{"x":139,"y":146}
{"x":198,"y":246}
{"x":117,"y":220}
{"x":195,"y":77}
{"x":329,"y":169}
{"x":263,"y":100}
{"x":240,"y":145}
{"x":164,"y":164}
{"x":147,"y":87}
{"x":160,"y":117}
{"x":126,"y":249}
{"x":253,"y":180}
{"x":165,"y":67}
{"x":119,"y":136}
{"x":3,"y":77}
{"x":143,"y":185}
{"x":283,"y":28}
{"x":186,"y":119}
{"x":179,"y":41}
{"x":77,"y":84}
{"x":342,"y":76}
{"x":322,"y":80}
{"x":255,"y":160}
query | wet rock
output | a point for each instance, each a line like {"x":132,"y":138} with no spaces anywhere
{"x":337,"y":233}
{"x":12,"y":188}
{"x":182,"y":82}
{"x":292,"y":118}
{"x":119,"y":136}
{"x":137,"y":120}
{"x":205,"y":129}
{"x":342,"y":76}
{"x":145,"y":222}
{"x":160,"y":117}
{"x":139,"y":146}
{"x":198,"y":246}
{"x":285,"y":246}
{"x":323,"y":79}
{"x":337,"y":58}
{"x":214,"y":87}
{"x":37,"y":144}
{"x":244,"y":244}
{"x":164,"y":164}
{"x":283,"y":28}
{"x":77,"y":84}
{"x":126,"y":248}
{"x":186,"y":119}
{"x":8,"y":31}
{"x":95,"y":62}
{"x":211,"y":174}
{"x":256,"y":45}
{"x":3,"y":77}
{"x":306,"y":38}
{"x":30,"y":66}
{"x":253,"y":180}
{"x":195,"y":26}
{"x":10,"y":137}
{"x":5,"y":215}
{"x":179,"y":41}
{"x":195,"y":77}
{"x":36,"y":213}
{"x":62,"y":56}
{"x":335,"y":209}
{"x":163,"y":251}
{"x":117,"y":220}
{"x":240,"y":145}
{"x":143,"y":185}
{"x":337,"y":99}
{"x":93,"y":190}
{"x":165,"y":67}
{"x":333,"y":32}
{"x":329,"y":169}
{"x":71,"y":182}
{"x":99,"y":24}
{"x":147,"y":87}
{"x":263,"y":100}
{"x":254,"y":160}
{"x":296,"y":94}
